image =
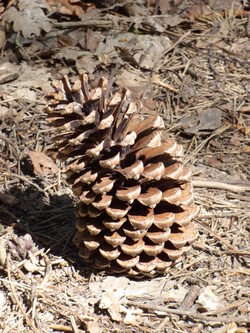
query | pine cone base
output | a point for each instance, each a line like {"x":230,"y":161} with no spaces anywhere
{"x":136,"y":202}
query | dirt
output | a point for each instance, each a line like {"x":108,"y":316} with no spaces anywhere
{"x":186,"y":60}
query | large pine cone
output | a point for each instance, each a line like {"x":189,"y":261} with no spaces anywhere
{"x":136,"y":199}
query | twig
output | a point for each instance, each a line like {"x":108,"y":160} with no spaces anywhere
{"x":215,"y":235}
{"x":92,"y":23}
{"x":26,"y":180}
{"x":211,"y":61}
{"x":156,"y":68}
{"x":61,"y":328}
{"x":238,"y":253}
{"x":29,"y":322}
{"x":204,"y":142}
{"x":194,"y":315}
{"x":156,"y":80}
{"x":190,"y":297}
{"x":3,"y":137}
{"x":73,"y":323}
{"x":226,"y":308}
{"x":220,"y":186}
{"x":205,"y":247}
{"x":47,"y":271}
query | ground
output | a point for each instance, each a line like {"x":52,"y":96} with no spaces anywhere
{"x":185,"y":60}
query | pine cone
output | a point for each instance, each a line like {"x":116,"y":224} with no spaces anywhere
{"x":136,"y":200}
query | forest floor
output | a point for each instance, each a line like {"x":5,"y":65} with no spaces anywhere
{"x":186,"y":60}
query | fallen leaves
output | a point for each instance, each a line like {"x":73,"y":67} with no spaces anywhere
{"x":206,"y":120}
{"x":28,"y":17}
{"x":42,"y":163}
{"x":8,"y":72}
{"x":207,"y":300}
{"x":70,"y":7}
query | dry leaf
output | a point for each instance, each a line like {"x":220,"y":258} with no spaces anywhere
{"x":135,"y":9}
{"x":34,"y":77}
{"x":232,"y":328}
{"x":70,"y":7}
{"x":110,"y":301}
{"x":226,"y":5}
{"x":8,"y":72}
{"x":42,"y":164}
{"x":161,"y":24}
{"x":208,"y":300}
{"x":93,"y":327}
{"x":148,"y":49}
{"x":28,"y":17}
{"x":30,"y":267}
{"x":165,"y":5}
{"x":3,"y":254}
{"x":139,"y":86}
{"x":4,"y":111}
{"x":25,"y":93}
{"x":133,"y":316}
{"x":209,"y":119}
{"x":176,"y":295}
{"x":93,"y":39}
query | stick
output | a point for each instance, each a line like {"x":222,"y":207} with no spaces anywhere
{"x":194,"y":315}
{"x":228,"y":245}
{"x":26,"y":180}
{"x":29,"y":322}
{"x":156,"y":68}
{"x":220,"y":186}
{"x":9,"y":142}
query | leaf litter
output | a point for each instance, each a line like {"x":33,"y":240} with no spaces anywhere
{"x":187,"y":61}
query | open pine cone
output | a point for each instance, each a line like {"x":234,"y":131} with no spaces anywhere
{"x":136,"y":202}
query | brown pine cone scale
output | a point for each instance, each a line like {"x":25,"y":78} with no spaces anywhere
{"x":136,"y":201}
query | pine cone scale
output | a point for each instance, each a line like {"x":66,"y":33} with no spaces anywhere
{"x":136,"y":201}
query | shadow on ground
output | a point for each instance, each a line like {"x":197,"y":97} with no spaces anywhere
{"x":48,"y":219}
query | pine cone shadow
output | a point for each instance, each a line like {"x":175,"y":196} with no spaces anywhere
{"x":49,"y":221}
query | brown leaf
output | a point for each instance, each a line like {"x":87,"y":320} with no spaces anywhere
{"x":165,"y":6}
{"x":42,"y":163}
{"x":70,"y":7}
{"x":8,"y":72}
{"x":213,"y":162}
{"x":66,"y":40}
{"x":127,"y":56}
{"x":235,"y":140}
{"x":93,"y":39}
{"x":209,"y":119}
